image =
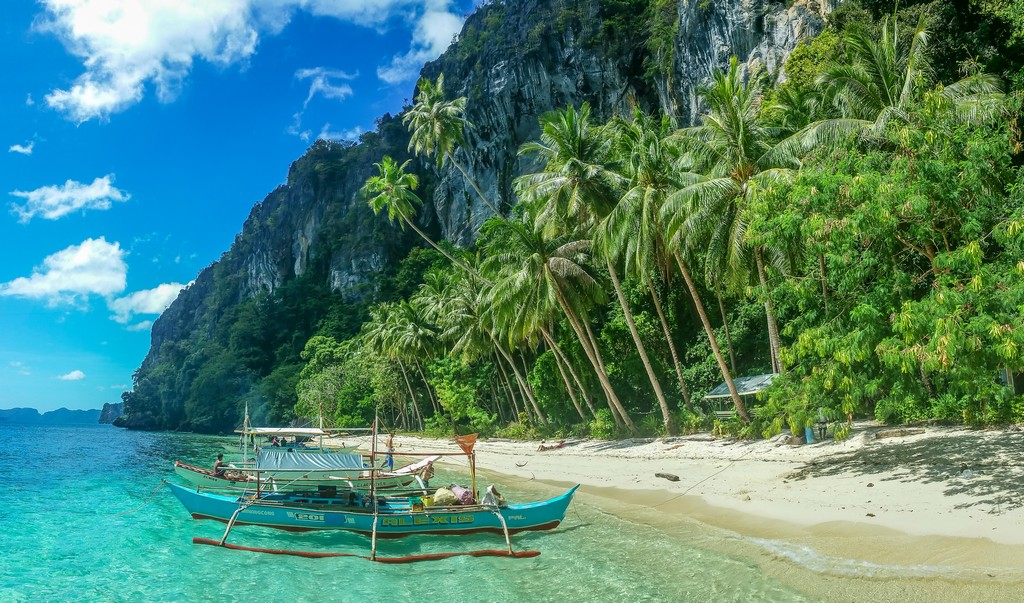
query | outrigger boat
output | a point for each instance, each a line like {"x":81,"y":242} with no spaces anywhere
{"x":376,"y":516}
{"x":283,"y":471}
{"x":395,"y":517}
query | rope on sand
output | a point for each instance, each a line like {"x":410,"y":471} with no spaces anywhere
{"x":687,"y":491}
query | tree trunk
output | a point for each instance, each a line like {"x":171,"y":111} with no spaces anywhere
{"x":741,"y":409}
{"x":725,"y":324}
{"x":589,"y":344}
{"x":773,"y":328}
{"x":430,"y":392}
{"x":412,"y":401}
{"x":666,"y":414}
{"x":685,"y":391}
{"x":497,"y":401}
{"x":473,"y":184}
{"x":508,"y":386}
{"x":824,"y":281}
{"x":524,"y":385}
{"x":565,"y":380}
{"x":526,"y":380}
{"x":572,"y":370}
{"x":424,"y":236}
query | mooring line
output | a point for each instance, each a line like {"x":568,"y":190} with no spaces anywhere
{"x":144,"y":503}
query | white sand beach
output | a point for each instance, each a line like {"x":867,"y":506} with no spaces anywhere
{"x":922,"y":497}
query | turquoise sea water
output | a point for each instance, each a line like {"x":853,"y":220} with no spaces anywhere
{"x":85,"y":518}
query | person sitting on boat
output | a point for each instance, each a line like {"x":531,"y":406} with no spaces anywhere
{"x":219,"y":465}
{"x":389,"y":461}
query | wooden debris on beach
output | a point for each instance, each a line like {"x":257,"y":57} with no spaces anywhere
{"x":669,"y":476}
{"x":897,"y":433}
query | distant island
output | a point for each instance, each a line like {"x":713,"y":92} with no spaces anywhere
{"x":61,"y":416}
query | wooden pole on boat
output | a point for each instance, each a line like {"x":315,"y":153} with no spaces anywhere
{"x":472,"y":473}
{"x":373,"y":489}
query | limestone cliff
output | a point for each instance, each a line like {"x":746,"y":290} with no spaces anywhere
{"x":514,"y":60}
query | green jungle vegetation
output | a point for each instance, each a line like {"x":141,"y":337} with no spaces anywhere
{"x":857,"y":228}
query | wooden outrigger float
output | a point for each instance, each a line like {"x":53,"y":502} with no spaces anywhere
{"x":376,"y":516}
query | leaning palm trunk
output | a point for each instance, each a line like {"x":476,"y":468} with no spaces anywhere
{"x":725,"y":324}
{"x":567,"y":362}
{"x":473,"y":184}
{"x":685,"y":391}
{"x":524,"y":385}
{"x":526,"y":380}
{"x":424,"y":236}
{"x":824,"y":281}
{"x":622,"y":420}
{"x":741,"y":409}
{"x":497,"y":401}
{"x":773,"y":327}
{"x":412,"y":396}
{"x":568,"y":386}
{"x":513,"y":404}
{"x":426,"y":383}
{"x":666,"y":414}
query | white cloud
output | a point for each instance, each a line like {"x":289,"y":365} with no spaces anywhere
{"x":325,"y":82}
{"x":57,"y":201}
{"x":72,"y":376}
{"x":95,"y":267}
{"x":130,"y":46}
{"x":24,"y":149}
{"x":351,"y":134}
{"x":127,"y":44}
{"x":148,"y":301}
{"x":21,"y":368}
{"x":140,"y":326}
{"x":329,"y":83}
{"x":432,"y":35}
{"x":29,"y":101}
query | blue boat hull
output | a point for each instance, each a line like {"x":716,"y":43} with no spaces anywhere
{"x":396,"y":517}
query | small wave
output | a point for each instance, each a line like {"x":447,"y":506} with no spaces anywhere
{"x":808,"y":558}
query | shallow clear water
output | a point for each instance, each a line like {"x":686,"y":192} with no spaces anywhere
{"x":85,"y":518}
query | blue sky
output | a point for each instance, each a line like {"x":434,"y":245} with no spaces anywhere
{"x":135,"y":137}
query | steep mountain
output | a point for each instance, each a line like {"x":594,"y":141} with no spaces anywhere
{"x":311,"y":256}
{"x":61,"y":416}
{"x":111,"y":412}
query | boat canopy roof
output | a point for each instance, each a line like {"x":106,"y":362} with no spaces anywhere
{"x":284,"y":431}
{"x":745,"y":386}
{"x":281,"y":459}
{"x":296,"y":431}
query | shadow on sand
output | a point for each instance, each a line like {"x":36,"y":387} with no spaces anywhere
{"x":986,"y":466}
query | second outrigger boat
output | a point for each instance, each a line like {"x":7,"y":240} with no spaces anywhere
{"x":288,"y":471}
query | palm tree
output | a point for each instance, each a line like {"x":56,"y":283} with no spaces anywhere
{"x":575,"y":189}
{"x":393,"y":188}
{"x":879,"y":79}
{"x":733,"y":158}
{"x":437,"y":126}
{"x":538,"y":274}
{"x":632,"y":231}
{"x":457,"y":305}
{"x":380,"y":335}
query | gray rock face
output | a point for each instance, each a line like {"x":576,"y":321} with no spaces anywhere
{"x":510,"y":86}
{"x":514,"y":61}
{"x":761,"y":34}
{"x":111,"y":412}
